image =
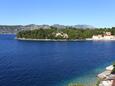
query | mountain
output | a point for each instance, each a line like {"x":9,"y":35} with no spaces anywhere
{"x":83,"y":26}
{"x":10,"y":29}
{"x":13,"y":29}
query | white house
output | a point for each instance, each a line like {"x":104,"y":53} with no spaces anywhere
{"x":64,"y":35}
{"x":105,"y":36}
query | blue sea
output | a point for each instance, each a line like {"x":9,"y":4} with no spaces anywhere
{"x":33,"y":63}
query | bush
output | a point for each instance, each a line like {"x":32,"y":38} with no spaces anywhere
{"x":113,"y":71}
{"x":113,"y":64}
{"x":98,"y":82}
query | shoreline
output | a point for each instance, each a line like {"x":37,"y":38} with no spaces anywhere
{"x":88,"y":39}
{"x":107,"y":78}
{"x":24,"y":39}
{"x":100,"y":39}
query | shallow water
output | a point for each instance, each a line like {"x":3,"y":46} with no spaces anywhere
{"x":29,"y":63}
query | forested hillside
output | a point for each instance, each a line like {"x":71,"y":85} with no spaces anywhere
{"x":67,"y":33}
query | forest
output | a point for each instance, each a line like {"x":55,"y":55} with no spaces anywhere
{"x":72,"y":33}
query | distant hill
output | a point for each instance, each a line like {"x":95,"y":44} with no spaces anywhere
{"x":13,"y":29}
{"x":84,"y":26}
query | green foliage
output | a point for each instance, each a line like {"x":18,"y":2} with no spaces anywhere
{"x":71,"y":32}
{"x":98,"y":82}
{"x":113,"y":71}
{"x":114,"y":64}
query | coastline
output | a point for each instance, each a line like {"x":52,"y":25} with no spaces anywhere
{"x":88,"y":39}
{"x":107,"y":78}
{"x":24,"y":39}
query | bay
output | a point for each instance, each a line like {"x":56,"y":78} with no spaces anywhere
{"x":32,"y":63}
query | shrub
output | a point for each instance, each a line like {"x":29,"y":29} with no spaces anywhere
{"x":113,"y":64}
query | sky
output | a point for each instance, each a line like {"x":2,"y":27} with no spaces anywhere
{"x":98,"y":13}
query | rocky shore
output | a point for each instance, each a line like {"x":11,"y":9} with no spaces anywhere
{"x":107,"y":78}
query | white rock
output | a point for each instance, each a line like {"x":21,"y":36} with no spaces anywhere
{"x":109,"y":68}
{"x":106,"y":83}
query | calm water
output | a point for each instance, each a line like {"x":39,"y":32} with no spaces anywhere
{"x":28,"y":63}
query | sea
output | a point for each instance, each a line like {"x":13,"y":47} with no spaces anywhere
{"x":37,"y":63}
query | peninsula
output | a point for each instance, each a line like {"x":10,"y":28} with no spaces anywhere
{"x":66,"y":34}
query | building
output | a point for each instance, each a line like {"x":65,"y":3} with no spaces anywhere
{"x":64,"y":35}
{"x":105,"y":36}
{"x":97,"y":37}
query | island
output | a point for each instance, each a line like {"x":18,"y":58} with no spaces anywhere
{"x":66,"y":34}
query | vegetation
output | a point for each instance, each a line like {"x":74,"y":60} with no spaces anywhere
{"x":72,"y":33}
{"x":113,"y":64}
{"x":113,"y":71}
{"x":98,"y":82}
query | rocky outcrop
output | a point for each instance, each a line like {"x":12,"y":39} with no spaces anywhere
{"x":107,"y":78}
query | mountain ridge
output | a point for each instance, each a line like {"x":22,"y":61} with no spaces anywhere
{"x":13,"y":29}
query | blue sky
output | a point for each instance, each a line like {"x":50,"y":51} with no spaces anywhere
{"x":99,"y":13}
